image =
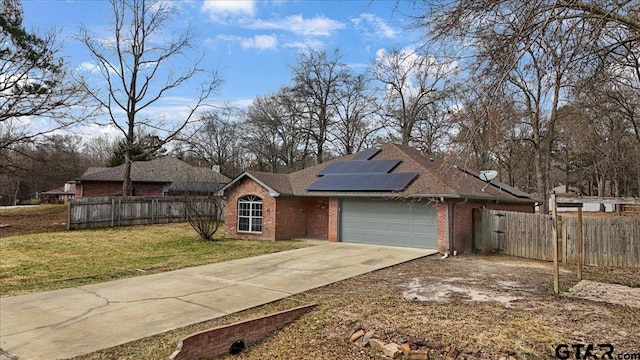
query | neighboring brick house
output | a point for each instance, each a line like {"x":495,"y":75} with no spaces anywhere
{"x":391,"y":195}
{"x":159,"y":177}
{"x":61,"y":195}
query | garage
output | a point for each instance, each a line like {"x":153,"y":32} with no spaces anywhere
{"x":387,"y":222}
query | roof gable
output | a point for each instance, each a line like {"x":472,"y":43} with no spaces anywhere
{"x":275,"y":184}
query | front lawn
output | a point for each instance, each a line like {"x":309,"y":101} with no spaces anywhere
{"x":46,"y":261}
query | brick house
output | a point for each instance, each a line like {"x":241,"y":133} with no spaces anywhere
{"x":61,"y":195}
{"x":390,"y":195}
{"x":159,"y":177}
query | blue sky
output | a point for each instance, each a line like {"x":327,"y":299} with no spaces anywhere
{"x":252,"y":43}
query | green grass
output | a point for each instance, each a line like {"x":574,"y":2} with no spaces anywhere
{"x":46,"y":261}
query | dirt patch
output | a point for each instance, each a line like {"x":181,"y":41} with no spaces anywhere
{"x":445,"y":290}
{"x":486,"y":307}
{"x":32,"y":220}
{"x":603,"y":292}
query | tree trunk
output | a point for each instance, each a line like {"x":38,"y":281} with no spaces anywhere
{"x":541,"y":185}
{"x":15,"y":194}
{"x":406,"y":134}
{"x":127,"y":185}
{"x":320,"y":153}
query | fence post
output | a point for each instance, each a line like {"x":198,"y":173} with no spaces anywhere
{"x":554,"y":239}
{"x":113,"y":211}
{"x":69,"y":209}
{"x":565,"y":242}
{"x":579,"y":242}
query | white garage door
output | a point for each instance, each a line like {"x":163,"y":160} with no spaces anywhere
{"x":389,"y":222}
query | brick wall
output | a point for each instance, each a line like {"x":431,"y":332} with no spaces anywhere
{"x":464,"y":222}
{"x":215,"y":342}
{"x":291,"y":217}
{"x":298,"y":217}
{"x":333,"y":220}
{"x":111,"y":188}
{"x":318,"y":218}
{"x":441,"y":209}
{"x":95,"y":189}
{"x":147,"y":189}
{"x":250,"y":187}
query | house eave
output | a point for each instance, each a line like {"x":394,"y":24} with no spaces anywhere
{"x":412,"y":196}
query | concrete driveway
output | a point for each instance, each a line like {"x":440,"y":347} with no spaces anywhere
{"x":70,"y":322}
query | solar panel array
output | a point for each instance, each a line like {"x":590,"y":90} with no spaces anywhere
{"x":363,"y":182}
{"x":362,"y":174}
{"x":367,"y":154}
{"x":359,"y":167}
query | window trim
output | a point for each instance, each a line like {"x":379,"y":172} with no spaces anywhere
{"x":252,"y":201}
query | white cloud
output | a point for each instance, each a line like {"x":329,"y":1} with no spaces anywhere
{"x":259,"y":42}
{"x":93,"y":130}
{"x":223,"y":10}
{"x":318,"y":26}
{"x":88,"y":67}
{"x":374,"y":26}
{"x":304,"y":46}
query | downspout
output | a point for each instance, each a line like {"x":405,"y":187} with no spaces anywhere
{"x":446,"y":229}
{"x":453,"y":245}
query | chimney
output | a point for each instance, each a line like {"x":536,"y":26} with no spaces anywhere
{"x":216,"y":168}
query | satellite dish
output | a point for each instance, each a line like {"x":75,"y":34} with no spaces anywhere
{"x":488,"y":175}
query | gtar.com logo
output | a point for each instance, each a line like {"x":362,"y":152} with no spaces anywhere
{"x":591,"y":351}
{"x":584,"y":351}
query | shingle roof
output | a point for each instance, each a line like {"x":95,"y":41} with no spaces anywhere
{"x":437,"y":177}
{"x":163,"y":170}
{"x":277,"y":182}
{"x":59,"y":191}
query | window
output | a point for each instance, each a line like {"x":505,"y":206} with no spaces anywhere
{"x":250,"y":214}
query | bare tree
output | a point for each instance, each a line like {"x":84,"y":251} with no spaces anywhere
{"x":203,"y":212}
{"x":139,"y":67}
{"x":517,"y":23}
{"x":356,"y":110}
{"x":531,"y":51}
{"x":218,"y":140}
{"x":415,"y":83}
{"x":276,"y":132}
{"x":34,"y":83}
{"x":99,"y":149}
{"x":43,"y":166}
{"x":609,"y":108}
{"x":317,"y":78}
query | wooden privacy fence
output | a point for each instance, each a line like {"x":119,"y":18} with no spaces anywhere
{"x":100,"y":212}
{"x":513,"y":233}
{"x":606,"y":241}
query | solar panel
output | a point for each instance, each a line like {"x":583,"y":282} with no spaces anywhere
{"x":363,"y":182}
{"x":359,"y":167}
{"x":511,"y":190}
{"x":367,"y":154}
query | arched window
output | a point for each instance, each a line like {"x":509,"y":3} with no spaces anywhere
{"x":250,"y":214}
